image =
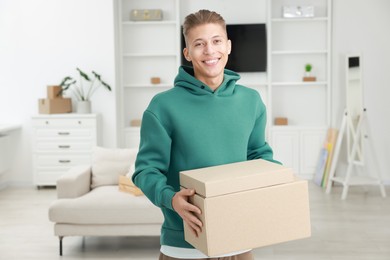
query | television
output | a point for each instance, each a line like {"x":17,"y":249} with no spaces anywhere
{"x":249,"y":48}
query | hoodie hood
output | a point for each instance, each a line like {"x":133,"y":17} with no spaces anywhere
{"x":185,"y":79}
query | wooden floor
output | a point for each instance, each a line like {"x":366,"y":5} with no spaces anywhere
{"x":357,"y":228}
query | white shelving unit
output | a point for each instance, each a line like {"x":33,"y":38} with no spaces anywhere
{"x":292,"y":43}
{"x":146,"y":49}
{"x":152,"y":49}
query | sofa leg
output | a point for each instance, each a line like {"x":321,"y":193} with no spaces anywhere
{"x":60,"y":238}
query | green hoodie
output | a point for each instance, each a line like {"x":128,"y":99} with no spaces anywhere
{"x":190,"y":127}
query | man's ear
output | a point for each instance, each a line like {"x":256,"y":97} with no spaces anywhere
{"x":185,"y":52}
{"x":229,"y":42}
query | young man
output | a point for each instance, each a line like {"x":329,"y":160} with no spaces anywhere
{"x":205,"y":120}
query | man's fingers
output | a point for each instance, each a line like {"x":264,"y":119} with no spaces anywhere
{"x":187,"y":192}
{"x":193,"y":208}
{"x":192,"y":219}
{"x":195,"y":229}
{"x":189,"y":206}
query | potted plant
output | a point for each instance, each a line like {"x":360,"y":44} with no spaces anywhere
{"x":83,"y":89}
{"x":308,"y":76}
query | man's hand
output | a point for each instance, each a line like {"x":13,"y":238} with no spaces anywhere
{"x":186,"y":210}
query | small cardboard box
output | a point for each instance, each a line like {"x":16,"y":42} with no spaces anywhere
{"x":281,"y":121}
{"x":126,"y":185}
{"x":247,"y":205}
{"x":309,"y":79}
{"x":52,"y":92}
{"x":55,"y":106}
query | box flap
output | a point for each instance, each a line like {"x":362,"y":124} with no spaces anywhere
{"x":235,"y":177}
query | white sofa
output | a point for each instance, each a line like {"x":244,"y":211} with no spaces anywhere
{"x":90,"y":204}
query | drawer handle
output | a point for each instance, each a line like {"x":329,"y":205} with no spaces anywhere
{"x":63,"y":133}
{"x":64,"y":146}
{"x":64,"y":161}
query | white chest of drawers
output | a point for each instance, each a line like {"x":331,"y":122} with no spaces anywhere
{"x":61,"y":141}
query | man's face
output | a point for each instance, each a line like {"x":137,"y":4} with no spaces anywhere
{"x":208,"y":49}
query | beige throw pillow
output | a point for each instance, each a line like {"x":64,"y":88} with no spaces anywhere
{"x":108,"y":164}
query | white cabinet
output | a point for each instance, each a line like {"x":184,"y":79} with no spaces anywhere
{"x":146,"y":50}
{"x":60,"y":142}
{"x":285,"y":145}
{"x":298,"y":148}
{"x":293,"y":43}
{"x":132,"y":137}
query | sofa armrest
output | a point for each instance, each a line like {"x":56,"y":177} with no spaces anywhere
{"x":75,"y":183}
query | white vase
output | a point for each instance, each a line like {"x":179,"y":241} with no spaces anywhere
{"x":84,"y":107}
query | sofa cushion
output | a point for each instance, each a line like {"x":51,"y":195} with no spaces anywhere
{"x":108,"y":164}
{"x":105,"y":205}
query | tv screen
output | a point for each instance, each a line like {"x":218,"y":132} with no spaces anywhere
{"x":249,"y":48}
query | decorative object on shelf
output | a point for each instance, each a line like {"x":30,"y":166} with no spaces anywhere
{"x":135,"y":122}
{"x":308,"y":76}
{"x":281,"y":121}
{"x":146,"y":15}
{"x":298,"y":11}
{"x":83,"y":92}
{"x":83,"y":107}
{"x":54,"y":103}
{"x":155,"y":80}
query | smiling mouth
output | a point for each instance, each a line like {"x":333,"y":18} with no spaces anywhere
{"x":211,"y":62}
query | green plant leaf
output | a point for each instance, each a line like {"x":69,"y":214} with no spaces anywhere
{"x":96,"y":75}
{"x":64,"y":81}
{"x":308,"y":67}
{"x":83,"y":74}
{"x":77,"y":87}
{"x":106,"y":85}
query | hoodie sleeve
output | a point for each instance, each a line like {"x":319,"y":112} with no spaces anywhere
{"x":258,"y":148}
{"x":152,"y":162}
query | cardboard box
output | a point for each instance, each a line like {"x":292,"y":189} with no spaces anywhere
{"x":52,"y":92}
{"x":155,"y":80}
{"x":247,"y":205}
{"x":55,"y":106}
{"x":126,"y":185}
{"x":281,"y":121}
{"x":136,"y":122}
{"x":309,"y":79}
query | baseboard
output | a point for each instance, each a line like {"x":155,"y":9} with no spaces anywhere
{"x":15,"y":184}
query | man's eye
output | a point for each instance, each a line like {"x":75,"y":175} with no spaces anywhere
{"x":217,"y":41}
{"x":198,"y":44}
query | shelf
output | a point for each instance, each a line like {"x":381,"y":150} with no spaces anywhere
{"x":149,"y":23}
{"x":143,"y":55}
{"x":300,"y":83}
{"x":298,"y":127}
{"x":357,"y":180}
{"x":8,"y":128}
{"x":309,"y":19}
{"x":132,"y":128}
{"x":291,"y":52}
{"x":147,"y":85}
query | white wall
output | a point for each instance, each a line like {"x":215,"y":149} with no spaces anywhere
{"x":41,"y":42}
{"x":362,"y":26}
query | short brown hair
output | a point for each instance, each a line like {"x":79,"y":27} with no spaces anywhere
{"x":202,"y":17}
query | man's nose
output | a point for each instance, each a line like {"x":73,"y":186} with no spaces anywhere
{"x":209,"y":49}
